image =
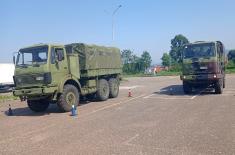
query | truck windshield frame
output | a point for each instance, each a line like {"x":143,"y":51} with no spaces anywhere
{"x":205,"y":50}
{"x":32,"y":56}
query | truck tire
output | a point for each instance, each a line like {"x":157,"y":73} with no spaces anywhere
{"x":223,"y":82}
{"x":69,"y":97}
{"x":102,"y":93}
{"x":187,"y":88}
{"x":219,"y":87}
{"x":113,"y":88}
{"x":38,"y":105}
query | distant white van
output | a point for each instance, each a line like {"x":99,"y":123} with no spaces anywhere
{"x":6,"y":76}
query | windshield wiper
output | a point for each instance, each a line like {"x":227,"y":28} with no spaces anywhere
{"x":22,"y":65}
{"x":36,"y":65}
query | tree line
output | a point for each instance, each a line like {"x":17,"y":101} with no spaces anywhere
{"x":133,"y":64}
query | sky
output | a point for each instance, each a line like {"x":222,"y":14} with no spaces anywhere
{"x":144,"y":25}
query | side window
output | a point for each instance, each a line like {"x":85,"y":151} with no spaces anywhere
{"x":218,"y":51}
{"x":59,"y":54}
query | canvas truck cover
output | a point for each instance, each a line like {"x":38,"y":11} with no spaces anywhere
{"x":95,"y":57}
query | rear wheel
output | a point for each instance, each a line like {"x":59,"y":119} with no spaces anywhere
{"x":102,"y":93}
{"x":113,"y":88}
{"x":38,"y":105}
{"x":69,"y":97}
{"x":187,"y":88}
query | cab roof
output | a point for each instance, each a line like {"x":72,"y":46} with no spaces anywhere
{"x":41,"y":44}
{"x":204,"y":42}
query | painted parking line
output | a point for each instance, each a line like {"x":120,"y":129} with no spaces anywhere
{"x":129,"y":87}
{"x":172,"y":97}
{"x":115,"y":104}
{"x":168,"y":98}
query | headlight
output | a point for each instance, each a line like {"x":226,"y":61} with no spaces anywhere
{"x":40,"y":78}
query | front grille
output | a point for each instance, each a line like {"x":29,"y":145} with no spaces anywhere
{"x":27,"y":80}
{"x":200,"y":68}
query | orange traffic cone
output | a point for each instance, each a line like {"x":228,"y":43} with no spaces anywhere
{"x":129,"y":93}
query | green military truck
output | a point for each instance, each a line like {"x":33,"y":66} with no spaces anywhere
{"x":203,"y":66}
{"x":47,"y":73}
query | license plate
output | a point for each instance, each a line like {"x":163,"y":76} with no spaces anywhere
{"x":203,"y":67}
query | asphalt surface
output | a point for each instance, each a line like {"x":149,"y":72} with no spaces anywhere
{"x":157,"y":119}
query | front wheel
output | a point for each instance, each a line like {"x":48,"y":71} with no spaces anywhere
{"x":187,"y":88}
{"x":219,"y":87}
{"x":69,"y":97}
{"x":38,"y":105}
{"x":224,"y":82}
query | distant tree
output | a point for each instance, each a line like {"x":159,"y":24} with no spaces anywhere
{"x":177,"y":46}
{"x":146,"y":60}
{"x":166,"y":59}
{"x":126,"y":56}
{"x":231,"y":55}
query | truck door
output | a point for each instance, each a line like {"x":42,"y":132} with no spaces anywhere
{"x":220,"y":58}
{"x":59,"y":65}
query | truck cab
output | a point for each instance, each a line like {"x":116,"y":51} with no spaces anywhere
{"x":203,"y":65}
{"x":48,"y":73}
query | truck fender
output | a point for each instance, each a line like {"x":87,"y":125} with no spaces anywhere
{"x":69,"y":80}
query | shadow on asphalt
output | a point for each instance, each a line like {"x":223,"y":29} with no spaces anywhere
{"x":25,"y":111}
{"x":177,"y":90}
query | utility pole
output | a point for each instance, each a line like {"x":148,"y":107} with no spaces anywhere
{"x":114,"y":12}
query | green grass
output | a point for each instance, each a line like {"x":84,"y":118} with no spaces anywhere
{"x":168,"y":73}
{"x":230,"y":70}
{"x":7,"y":97}
{"x":162,"y":73}
{"x":137,"y":75}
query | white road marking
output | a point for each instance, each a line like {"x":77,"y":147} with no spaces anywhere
{"x":195,"y":96}
{"x":172,"y":97}
{"x":128,"y":142}
{"x":149,"y":96}
{"x":130,"y":87}
{"x":168,"y":98}
{"x":115,"y":104}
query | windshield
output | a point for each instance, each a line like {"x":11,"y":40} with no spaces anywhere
{"x":30,"y":56}
{"x":199,"y":51}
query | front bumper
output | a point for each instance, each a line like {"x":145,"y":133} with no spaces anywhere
{"x":201,"y":77}
{"x":42,"y":91}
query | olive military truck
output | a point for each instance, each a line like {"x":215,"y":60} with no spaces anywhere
{"x":203,"y":66}
{"x":47,"y":73}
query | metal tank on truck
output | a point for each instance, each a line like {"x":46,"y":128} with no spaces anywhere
{"x":48,"y":73}
{"x":203,"y":66}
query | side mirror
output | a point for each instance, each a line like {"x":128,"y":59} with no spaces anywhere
{"x":14,"y":59}
{"x":59,"y":55}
